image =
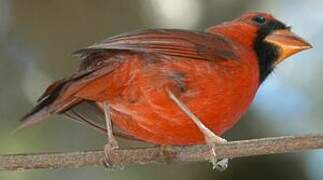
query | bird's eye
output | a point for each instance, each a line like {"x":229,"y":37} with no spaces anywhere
{"x":259,"y":19}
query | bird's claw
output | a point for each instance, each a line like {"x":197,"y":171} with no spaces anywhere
{"x":219,"y":165}
{"x":108,"y":150}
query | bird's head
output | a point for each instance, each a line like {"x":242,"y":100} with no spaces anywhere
{"x":272,"y":40}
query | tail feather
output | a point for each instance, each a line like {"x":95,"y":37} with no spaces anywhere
{"x":59,"y":96}
{"x":42,"y":110}
{"x":33,"y":118}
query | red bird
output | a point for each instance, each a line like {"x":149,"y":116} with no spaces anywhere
{"x":171,"y":86}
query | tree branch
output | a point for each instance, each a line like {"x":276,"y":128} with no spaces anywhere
{"x":158,"y":155}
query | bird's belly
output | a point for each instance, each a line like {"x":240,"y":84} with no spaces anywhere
{"x":146,"y":112}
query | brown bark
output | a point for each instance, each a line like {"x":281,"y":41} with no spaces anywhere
{"x":161,"y":155}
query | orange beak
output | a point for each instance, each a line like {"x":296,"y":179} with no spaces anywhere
{"x":287,"y":42}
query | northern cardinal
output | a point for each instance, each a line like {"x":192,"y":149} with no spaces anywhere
{"x":171,"y":86}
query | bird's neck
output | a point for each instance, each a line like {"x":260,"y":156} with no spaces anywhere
{"x":244,"y":38}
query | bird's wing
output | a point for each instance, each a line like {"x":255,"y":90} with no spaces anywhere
{"x":195,"y":45}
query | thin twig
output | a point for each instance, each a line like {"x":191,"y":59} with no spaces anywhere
{"x":161,"y":155}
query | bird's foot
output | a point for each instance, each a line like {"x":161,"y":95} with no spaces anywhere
{"x":108,"y":150}
{"x":219,"y":165}
{"x":209,"y":136}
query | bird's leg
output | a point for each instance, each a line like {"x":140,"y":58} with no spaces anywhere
{"x":112,"y":142}
{"x":209,"y":136}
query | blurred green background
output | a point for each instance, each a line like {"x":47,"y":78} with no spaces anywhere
{"x":37,"y":38}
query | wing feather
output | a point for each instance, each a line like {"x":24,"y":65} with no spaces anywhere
{"x":170,"y":42}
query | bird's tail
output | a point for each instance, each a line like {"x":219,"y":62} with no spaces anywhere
{"x":37,"y":114}
{"x":51,"y":102}
{"x":61,"y":96}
